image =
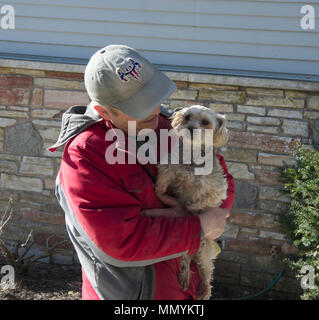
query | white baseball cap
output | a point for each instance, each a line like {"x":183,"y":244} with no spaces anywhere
{"x":118,"y":75}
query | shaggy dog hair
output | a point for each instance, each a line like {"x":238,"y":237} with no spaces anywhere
{"x":197,"y":192}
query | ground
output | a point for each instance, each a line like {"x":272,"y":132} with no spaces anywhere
{"x":63,"y":282}
{"x":46,"y":282}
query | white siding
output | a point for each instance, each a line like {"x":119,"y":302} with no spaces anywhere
{"x":254,"y":36}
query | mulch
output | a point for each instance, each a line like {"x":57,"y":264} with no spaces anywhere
{"x":46,"y":282}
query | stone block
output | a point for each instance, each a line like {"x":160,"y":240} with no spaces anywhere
{"x":181,"y":84}
{"x":15,"y":80}
{"x":8,"y":166}
{"x":313,"y":102}
{"x":30,"y":72}
{"x":47,"y":123}
{"x":245,"y":195}
{"x":10,"y":157}
{"x":264,"y":92}
{"x":180,"y":103}
{"x":285,"y":113}
{"x":223,"y":96}
{"x":295,"y":128}
{"x":274,"y":159}
{"x":251,"y":110}
{"x":268,"y":175}
{"x":184,"y":94}
{"x":44,"y":113}
{"x":235,"y":117}
{"x":236,"y":125}
{"x":58,"y":83}
{"x":295,"y":94}
{"x":240,"y":171}
{"x":222,"y":107}
{"x":198,"y":85}
{"x":272,"y":235}
{"x":251,"y":247}
{"x":64,"y":99}
{"x":14,"y":96}
{"x":18,"y":108}
{"x":313,"y":115}
{"x":276,"y":102}
{"x":254,"y":219}
{"x":37,"y":216}
{"x":37,"y":97}
{"x":5,"y":122}
{"x":267,"y":121}
{"x":14,"y":182}
{"x":51,"y":134}
{"x":36,"y":166}
{"x":231,"y":231}
{"x":263,"y":129}
{"x":49,"y":184}
{"x":275,"y":207}
{"x":248,"y":234}
{"x":64,"y":75}
{"x":14,"y":114}
{"x":23,"y":139}
{"x":240,"y":155}
{"x":271,"y":193}
{"x":258,"y":141}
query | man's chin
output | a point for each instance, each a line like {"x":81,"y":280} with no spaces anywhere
{"x":149,"y":126}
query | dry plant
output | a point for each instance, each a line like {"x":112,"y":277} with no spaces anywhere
{"x":18,"y":257}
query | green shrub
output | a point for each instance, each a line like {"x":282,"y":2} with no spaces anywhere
{"x":301,"y":182}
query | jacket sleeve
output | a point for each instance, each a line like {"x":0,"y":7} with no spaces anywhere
{"x":229,"y":201}
{"x":110,"y":216}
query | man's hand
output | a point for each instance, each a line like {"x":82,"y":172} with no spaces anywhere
{"x":175,"y":210}
{"x":213,"y":222}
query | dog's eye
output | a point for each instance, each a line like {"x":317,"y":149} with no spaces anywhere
{"x":188,"y":117}
{"x":205,"y":122}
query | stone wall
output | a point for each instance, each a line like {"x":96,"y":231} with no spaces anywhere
{"x":263,"y":116}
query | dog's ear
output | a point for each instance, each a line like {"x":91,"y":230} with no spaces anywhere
{"x":177,"y":119}
{"x":221,"y":135}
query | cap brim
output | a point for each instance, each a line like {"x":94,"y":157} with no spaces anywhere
{"x":147,"y":99}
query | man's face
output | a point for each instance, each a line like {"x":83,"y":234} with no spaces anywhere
{"x":120,"y":119}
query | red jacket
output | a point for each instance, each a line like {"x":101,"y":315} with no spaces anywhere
{"x":123,"y":254}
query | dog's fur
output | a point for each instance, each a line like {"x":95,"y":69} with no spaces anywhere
{"x":197,"y":192}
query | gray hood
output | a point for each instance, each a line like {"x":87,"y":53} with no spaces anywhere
{"x":77,"y":118}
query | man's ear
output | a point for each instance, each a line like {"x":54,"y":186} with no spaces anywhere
{"x":103,"y":112}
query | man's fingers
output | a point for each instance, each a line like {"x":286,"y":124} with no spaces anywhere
{"x":168,"y":200}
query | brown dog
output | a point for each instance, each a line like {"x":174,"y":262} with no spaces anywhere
{"x":197,"y":192}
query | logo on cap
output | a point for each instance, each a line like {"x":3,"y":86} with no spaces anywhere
{"x":129,"y":69}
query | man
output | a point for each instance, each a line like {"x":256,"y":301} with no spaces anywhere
{"x":129,"y":242}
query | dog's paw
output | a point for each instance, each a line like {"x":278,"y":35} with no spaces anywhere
{"x":184,"y":283}
{"x":204,"y":291}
